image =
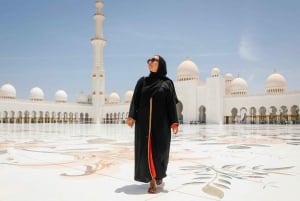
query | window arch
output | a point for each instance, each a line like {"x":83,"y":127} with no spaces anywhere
{"x":262,"y":115}
{"x":234,"y":112}
{"x":272,"y":115}
{"x":253,"y":115}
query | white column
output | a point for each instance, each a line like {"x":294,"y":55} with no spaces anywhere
{"x":98,"y":75}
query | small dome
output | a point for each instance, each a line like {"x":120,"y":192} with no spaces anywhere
{"x":8,"y":91}
{"x":215,"y":72}
{"x":275,"y":83}
{"x":238,"y":86}
{"x":114,"y":98}
{"x":228,"y":77}
{"x":187,"y":70}
{"x":36,"y":94}
{"x":82,"y":98}
{"x":128,"y":96}
{"x":61,"y":96}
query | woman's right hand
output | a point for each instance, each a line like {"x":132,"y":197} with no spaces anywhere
{"x":174,"y":128}
{"x":130,"y":122}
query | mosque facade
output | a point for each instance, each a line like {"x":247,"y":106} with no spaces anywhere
{"x":220,"y":99}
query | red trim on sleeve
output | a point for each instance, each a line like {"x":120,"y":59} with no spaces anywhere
{"x":174,"y":125}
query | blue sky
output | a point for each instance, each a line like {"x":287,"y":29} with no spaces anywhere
{"x":47,"y":43}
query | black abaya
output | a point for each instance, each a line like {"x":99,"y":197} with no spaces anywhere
{"x":161,"y":113}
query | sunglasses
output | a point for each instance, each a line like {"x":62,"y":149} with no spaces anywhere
{"x":152,"y":60}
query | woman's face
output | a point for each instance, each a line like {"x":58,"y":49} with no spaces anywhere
{"x":153,"y":64}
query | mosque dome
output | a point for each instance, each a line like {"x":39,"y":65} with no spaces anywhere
{"x":275,"y":83}
{"x":61,"y":96}
{"x":187,"y":70}
{"x":8,"y":91}
{"x":238,"y":86}
{"x":215,"y":72}
{"x":128,"y":96}
{"x":36,"y":94}
{"x":82,"y":98}
{"x":228,"y":77}
{"x":114,"y":98}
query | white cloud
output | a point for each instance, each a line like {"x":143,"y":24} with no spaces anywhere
{"x":247,"y":50}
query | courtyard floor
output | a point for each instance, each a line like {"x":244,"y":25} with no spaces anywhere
{"x":72,"y":162}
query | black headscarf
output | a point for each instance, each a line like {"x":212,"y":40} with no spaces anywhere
{"x":154,"y":81}
{"x":162,"y":67}
{"x":160,"y":74}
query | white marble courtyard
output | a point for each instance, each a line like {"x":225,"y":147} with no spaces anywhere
{"x":95,"y":162}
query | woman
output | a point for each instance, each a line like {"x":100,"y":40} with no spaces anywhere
{"x":153,"y":110}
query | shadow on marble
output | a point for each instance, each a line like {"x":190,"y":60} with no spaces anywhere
{"x":135,"y":189}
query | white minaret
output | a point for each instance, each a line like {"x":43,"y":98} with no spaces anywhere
{"x":98,"y":76}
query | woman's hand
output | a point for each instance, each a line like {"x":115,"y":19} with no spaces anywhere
{"x":174,"y":128}
{"x":130,"y":122}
